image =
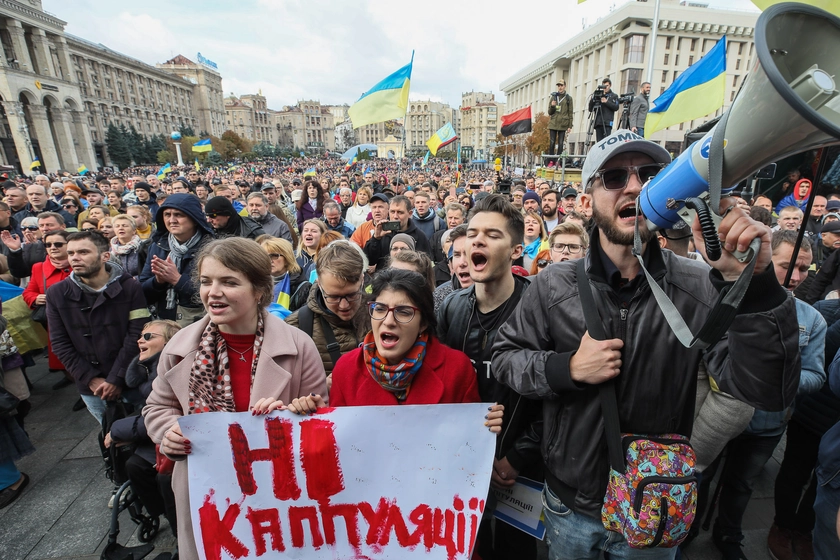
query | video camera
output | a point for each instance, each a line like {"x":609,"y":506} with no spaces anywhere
{"x":503,"y":184}
{"x":627,"y":98}
{"x":597,"y":95}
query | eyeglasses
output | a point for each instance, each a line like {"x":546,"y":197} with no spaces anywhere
{"x":542,"y":263}
{"x":68,"y":206}
{"x":29,"y":228}
{"x":349,"y":298}
{"x":275,"y":256}
{"x":617,"y":178}
{"x":573,"y":248}
{"x":56,"y":244}
{"x":402,"y":313}
{"x":147,"y":336}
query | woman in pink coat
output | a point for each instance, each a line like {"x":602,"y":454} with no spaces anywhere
{"x":237,"y":358}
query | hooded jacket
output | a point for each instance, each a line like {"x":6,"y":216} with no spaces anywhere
{"x":428,"y":224}
{"x":186,"y":291}
{"x":94,"y":333}
{"x":237,"y":225}
{"x":344,"y":227}
{"x":756,"y":362}
{"x":793,"y":199}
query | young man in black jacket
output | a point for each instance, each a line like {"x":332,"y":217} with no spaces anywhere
{"x":605,"y":107}
{"x":544,"y":350}
{"x":468,"y":320}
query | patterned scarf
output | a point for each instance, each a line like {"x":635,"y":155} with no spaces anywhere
{"x":210,"y":389}
{"x":397,"y":378}
{"x":129,"y":247}
{"x":177,"y":251}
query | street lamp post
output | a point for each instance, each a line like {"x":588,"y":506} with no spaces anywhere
{"x":176,"y":138}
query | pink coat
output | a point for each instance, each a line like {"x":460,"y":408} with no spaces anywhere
{"x":289,"y":367}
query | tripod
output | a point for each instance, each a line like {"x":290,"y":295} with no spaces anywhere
{"x":594,"y":115}
{"x":624,"y":121}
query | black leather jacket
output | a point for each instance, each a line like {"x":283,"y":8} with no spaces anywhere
{"x":606,"y":115}
{"x":519,"y":441}
{"x":757,"y":362}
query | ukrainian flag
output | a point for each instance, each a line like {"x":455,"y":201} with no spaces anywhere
{"x":698,"y":91}
{"x":386,"y":100}
{"x":161,"y":174}
{"x":35,"y":164}
{"x":202,"y":146}
{"x":310,"y":173}
{"x":446,"y":135}
{"x":82,"y":170}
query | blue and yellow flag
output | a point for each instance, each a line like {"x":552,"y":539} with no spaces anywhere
{"x":35,"y":164}
{"x":202,"y":146}
{"x":83,"y":169}
{"x":426,"y":158}
{"x":161,"y":174}
{"x":385,"y":101}
{"x":197,"y":167}
{"x":446,"y":135}
{"x":698,"y":91}
{"x":310,"y":173}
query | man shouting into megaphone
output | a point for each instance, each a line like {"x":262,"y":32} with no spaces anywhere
{"x":547,"y":350}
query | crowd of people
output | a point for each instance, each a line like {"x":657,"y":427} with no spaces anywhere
{"x":384,"y":285}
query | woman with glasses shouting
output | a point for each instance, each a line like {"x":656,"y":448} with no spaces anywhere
{"x":53,"y":270}
{"x":401,"y":361}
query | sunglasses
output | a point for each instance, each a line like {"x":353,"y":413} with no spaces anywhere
{"x":616,"y":179}
{"x":29,"y":228}
{"x":542,"y":263}
{"x":274,"y":256}
{"x":147,"y":336}
{"x":68,"y":206}
{"x":56,"y":244}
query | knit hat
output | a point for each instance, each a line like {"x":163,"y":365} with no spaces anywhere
{"x":531,"y":195}
{"x":831,"y":227}
{"x":405,"y":238}
{"x":832,"y":214}
{"x":219,"y":205}
{"x":144,"y":187}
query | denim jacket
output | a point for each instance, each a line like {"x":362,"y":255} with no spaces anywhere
{"x":812,"y":329}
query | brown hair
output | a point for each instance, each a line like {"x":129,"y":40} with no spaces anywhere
{"x":243,"y":256}
{"x":421,"y":262}
{"x":341,"y":258}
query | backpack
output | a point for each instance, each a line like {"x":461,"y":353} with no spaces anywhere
{"x":306,"y":320}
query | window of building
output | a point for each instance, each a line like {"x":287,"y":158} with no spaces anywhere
{"x":661,"y":90}
{"x":667,"y":42}
{"x":667,"y":56}
{"x":94,"y":136}
{"x":740,"y":49}
{"x":677,"y":59}
{"x":732,"y":97}
{"x":107,"y":82}
{"x":738,"y":64}
{"x":693,"y":44}
{"x":691,"y":60}
{"x":664,"y":76}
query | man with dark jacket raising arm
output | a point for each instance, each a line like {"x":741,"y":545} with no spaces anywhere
{"x":544,"y":350}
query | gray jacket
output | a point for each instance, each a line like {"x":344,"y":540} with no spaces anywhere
{"x":757,"y":362}
{"x":275,"y":227}
{"x":638,"y":111}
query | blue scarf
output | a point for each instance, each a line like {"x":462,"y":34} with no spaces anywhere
{"x":533,"y":248}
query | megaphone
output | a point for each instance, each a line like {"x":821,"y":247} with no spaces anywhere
{"x":788,"y":104}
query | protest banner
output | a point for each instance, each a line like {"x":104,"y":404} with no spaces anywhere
{"x":521,"y":506}
{"x":355,"y":482}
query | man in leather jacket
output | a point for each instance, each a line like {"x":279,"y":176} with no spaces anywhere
{"x":606,"y":105}
{"x":469,"y":320}
{"x":544,"y":350}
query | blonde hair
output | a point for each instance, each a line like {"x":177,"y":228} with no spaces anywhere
{"x":538,"y":218}
{"x":569,"y":228}
{"x":169,"y":328}
{"x":316,"y":222}
{"x":282,"y":247}
{"x":124,"y":218}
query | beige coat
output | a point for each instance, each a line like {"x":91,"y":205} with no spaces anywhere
{"x":289,"y":367}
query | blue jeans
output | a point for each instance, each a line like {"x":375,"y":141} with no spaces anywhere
{"x":95,"y":406}
{"x":826,"y":544}
{"x":571,"y":535}
{"x":640,"y":131}
{"x":9,"y":474}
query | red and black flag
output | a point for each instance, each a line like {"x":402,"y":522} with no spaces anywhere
{"x":518,"y":122}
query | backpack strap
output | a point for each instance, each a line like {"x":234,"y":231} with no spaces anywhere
{"x":332,"y":344}
{"x":305,"y":319}
{"x":606,"y":390}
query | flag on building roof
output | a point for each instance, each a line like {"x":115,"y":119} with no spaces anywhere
{"x":202,"y":146}
{"x":82,"y":170}
{"x":518,"y":122}
{"x":35,"y":164}
{"x":386,"y":100}
{"x":698,"y":91}
{"x":161,"y":174}
{"x":445,"y":135}
{"x":310,"y":172}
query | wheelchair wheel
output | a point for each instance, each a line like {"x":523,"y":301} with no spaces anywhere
{"x":148,"y":529}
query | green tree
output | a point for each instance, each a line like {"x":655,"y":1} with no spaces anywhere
{"x":165,"y":156}
{"x":214,"y":158}
{"x":119,"y":151}
{"x":186,"y":131}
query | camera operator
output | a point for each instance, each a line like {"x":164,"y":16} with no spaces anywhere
{"x":639,"y":110}
{"x":608,"y":103}
{"x":560,"y":114}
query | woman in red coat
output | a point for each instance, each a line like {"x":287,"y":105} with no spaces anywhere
{"x":52,"y":271}
{"x":401,"y":360}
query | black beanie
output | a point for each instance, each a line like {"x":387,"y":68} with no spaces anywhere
{"x":219,"y":205}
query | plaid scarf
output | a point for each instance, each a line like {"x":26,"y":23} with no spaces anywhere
{"x":395,"y":378}
{"x":210,"y":389}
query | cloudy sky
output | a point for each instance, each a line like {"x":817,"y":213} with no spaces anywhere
{"x":333,"y":51}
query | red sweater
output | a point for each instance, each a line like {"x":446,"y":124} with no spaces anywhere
{"x":240,"y":346}
{"x":447,"y":376}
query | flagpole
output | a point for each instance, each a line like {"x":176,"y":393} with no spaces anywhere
{"x":654,"y":29}
{"x":405,"y":123}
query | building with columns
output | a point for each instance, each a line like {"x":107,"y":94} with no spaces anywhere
{"x":480,"y":123}
{"x":618,"y":46}
{"x":307,"y":125}
{"x":59,"y":93}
